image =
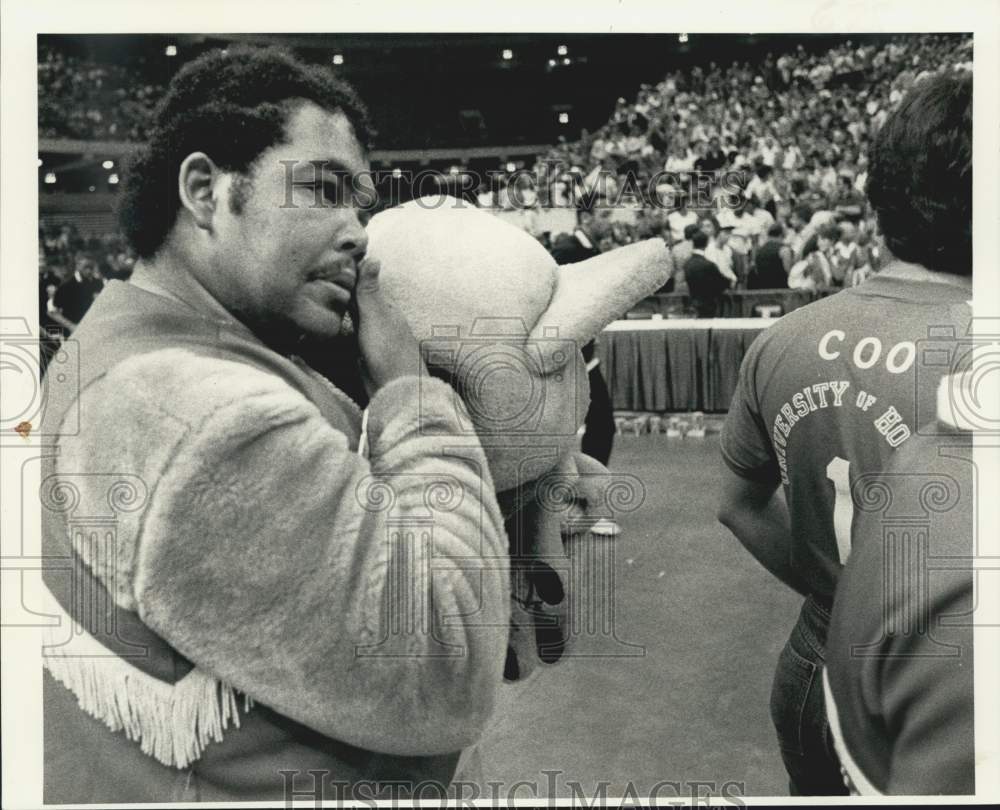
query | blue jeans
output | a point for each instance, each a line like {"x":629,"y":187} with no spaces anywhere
{"x":797,"y":709}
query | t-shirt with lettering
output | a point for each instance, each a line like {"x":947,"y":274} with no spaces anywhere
{"x":830,"y":391}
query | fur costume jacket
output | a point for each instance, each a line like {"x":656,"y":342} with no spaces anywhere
{"x":242,"y":592}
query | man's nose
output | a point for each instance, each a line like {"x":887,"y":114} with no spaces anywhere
{"x":353,"y":239}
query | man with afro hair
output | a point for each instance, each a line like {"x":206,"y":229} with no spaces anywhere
{"x":259,"y":621}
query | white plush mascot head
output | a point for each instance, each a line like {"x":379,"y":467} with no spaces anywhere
{"x":504,"y":324}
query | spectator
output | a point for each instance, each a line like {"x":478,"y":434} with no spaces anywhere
{"x":599,"y":424}
{"x":718,"y":251}
{"x":680,"y":218}
{"x":760,"y":221}
{"x":812,"y":271}
{"x":705,"y":283}
{"x":76,"y":294}
{"x":52,"y":325}
{"x":772,"y":262}
{"x":798,"y":219}
{"x":824,"y":240}
{"x":714,"y":159}
{"x":681,"y":251}
{"x":845,"y":256}
{"x":769,"y":151}
{"x":762,"y":188}
{"x":484,"y":196}
{"x":848,"y":203}
{"x":868,"y":261}
{"x":742,"y":227}
{"x":791,"y":158}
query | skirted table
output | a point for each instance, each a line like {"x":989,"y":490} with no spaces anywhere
{"x":675,"y":365}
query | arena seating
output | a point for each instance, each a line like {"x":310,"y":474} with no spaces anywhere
{"x":793,"y":127}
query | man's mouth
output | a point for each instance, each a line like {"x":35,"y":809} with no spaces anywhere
{"x":338,"y":283}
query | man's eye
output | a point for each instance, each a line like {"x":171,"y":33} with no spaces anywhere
{"x":331,"y":191}
{"x":324,"y":192}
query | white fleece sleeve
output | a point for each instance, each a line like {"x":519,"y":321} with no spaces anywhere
{"x":366,"y":600}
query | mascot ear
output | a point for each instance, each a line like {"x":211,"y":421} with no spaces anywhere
{"x":592,"y":293}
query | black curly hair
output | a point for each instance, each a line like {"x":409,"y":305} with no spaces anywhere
{"x":232,"y":105}
{"x":920,"y":175}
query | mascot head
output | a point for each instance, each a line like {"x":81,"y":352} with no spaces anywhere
{"x":504,"y":324}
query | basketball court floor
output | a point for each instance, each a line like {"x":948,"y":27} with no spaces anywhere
{"x":683,"y":695}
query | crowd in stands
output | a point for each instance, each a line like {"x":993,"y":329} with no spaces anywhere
{"x":783,"y":143}
{"x":805,"y":119}
{"x":788,"y":135}
{"x":78,"y":98}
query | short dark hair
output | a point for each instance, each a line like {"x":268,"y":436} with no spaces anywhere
{"x":803,"y":212}
{"x":690,"y":230}
{"x":709,"y":217}
{"x":830,"y":231}
{"x":776,"y":231}
{"x":233,"y":105}
{"x":699,"y":239}
{"x":920,"y":175}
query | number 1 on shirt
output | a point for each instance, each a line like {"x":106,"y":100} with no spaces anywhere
{"x":838,"y":471}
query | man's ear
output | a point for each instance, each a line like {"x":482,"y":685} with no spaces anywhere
{"x":196,"y":184}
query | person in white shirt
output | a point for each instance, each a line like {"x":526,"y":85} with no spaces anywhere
{"x":484,"y":197}
{"x":797,"y":221}
{"x":762,"y":186}
{"x":680,"y":252}
{"x":769,"y":151}
{"x":811,"y":272}
{"x":845,"y":256}
{"x":741,"y":226}
{"x":861,"y":179}
{"x":598,"y":151}
{"x":791,"y":156}
{"x":760,"y":220}
{"x":827,"y":177}
{"x":821,"y":217}
{"x":678,"y":162}
{"x":718,"y":251}
{"x":679,"y":219}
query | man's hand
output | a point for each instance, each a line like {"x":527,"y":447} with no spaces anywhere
{"x":57,"y":316}
{"x":386,"y":343}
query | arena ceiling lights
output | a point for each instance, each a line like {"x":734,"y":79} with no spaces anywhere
{"x":562,"y":58}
